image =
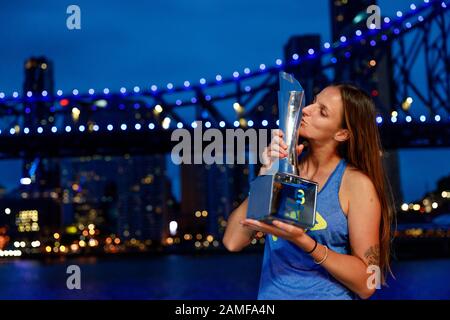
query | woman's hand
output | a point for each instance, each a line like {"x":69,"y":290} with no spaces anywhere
{"x":278,"y":229}
{"x":276,"y":150}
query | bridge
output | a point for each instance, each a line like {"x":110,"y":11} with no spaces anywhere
{"x":140,"y":120}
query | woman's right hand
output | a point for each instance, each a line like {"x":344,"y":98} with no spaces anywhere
{"x":277,"y":149}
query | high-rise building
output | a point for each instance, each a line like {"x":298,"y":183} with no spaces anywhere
{"x":42,"y":174}
{"x":27,"y":221}
{"x":209,"y":195}
{"x":369,"y":67}
{"x":345,"y":14}
{"x":38,"y":84}
{"x":129,"y":196}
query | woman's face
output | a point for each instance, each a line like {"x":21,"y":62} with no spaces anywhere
{"x":322,"y":119}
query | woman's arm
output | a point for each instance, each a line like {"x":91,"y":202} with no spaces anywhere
{"x":236,"y":236}
{"x":364,"y":216}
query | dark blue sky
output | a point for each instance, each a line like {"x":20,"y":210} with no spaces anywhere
{"x":128,"y":43}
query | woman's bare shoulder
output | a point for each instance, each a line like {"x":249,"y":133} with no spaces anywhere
{"x":356,"y":184}
{"x":355,"y":179}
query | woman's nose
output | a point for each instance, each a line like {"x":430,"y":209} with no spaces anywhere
{"x":306,"y":110}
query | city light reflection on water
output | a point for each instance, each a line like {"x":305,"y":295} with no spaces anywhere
{"x":217,"y":276}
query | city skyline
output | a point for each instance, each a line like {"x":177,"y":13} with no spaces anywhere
{"x":258,"y":42}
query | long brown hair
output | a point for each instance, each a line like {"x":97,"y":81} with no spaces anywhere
{"x":363,"y":150}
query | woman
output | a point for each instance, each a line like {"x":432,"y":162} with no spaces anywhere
{"x":336,"y":258}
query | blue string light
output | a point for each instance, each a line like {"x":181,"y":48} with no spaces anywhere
{"x":262,"y":68}
{"x":379,"y":119}
{"x":250,"y":123}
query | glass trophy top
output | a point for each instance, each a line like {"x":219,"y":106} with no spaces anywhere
{"x":288,"y":82}
{"x":291,"y":99}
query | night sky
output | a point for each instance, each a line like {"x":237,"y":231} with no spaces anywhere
{"x":128,"y":43}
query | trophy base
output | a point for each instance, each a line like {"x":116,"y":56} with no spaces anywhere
{"x":283,"y":197}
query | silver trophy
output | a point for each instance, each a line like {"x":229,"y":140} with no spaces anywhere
{"x":282,"y":194}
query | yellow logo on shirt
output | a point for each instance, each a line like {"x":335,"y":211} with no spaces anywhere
{"x":320,"y":224}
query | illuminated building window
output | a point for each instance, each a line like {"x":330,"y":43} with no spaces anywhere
{"x":27,"y":221}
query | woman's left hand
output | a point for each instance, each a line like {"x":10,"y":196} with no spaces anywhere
{"x":278,"y":229}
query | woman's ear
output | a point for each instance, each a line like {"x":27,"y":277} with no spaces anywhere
{"x":342,"y":135}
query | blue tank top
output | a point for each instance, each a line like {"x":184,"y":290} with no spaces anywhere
{"x":288,"y":273}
